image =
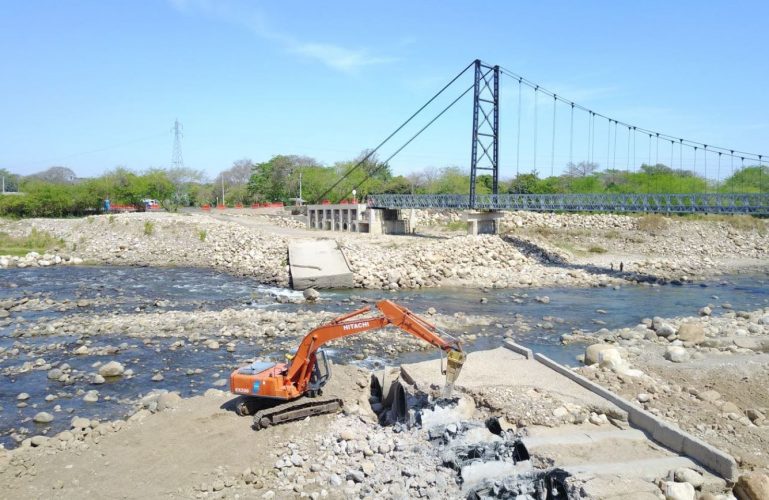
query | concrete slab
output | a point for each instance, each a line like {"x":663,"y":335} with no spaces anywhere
{"x":318,"y":264}
{"x":503,"y":367}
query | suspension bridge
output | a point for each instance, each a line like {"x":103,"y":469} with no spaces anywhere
{"x":592,"y":137}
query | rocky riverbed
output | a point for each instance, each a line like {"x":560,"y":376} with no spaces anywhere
{"x":533,"y":250}
{"x":708,"y":373}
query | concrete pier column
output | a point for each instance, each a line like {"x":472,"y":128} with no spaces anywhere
{"x":483,"y":222}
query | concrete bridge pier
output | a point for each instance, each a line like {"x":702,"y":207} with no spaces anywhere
{"x":483,"y":222}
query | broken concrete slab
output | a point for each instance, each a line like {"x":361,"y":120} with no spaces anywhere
{"x":318,"y":264}
{"x":483,"y":369}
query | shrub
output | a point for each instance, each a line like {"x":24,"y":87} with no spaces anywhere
{"x":652,"y":222}
{"x":35,"y":241}
{"x":456,"y":225}
{"x":202,"y":234}
{"x":596,"y":249}
{"x":149,"y":228}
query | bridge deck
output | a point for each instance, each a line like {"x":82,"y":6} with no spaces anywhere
{"x":754,"y":204}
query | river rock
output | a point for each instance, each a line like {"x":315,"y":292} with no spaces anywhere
{"x":43,"y":418}
{"x":752,"y":486}
{"x":39,"y":440}
{"x":356,"y":476}
{"x":168,"y":400}
{"x":212,"y":344}
{"x":676,"y":354}
{"x":686,"y":475}
{"x":80,"y":423}
{"x":662,"y":329}
{"x":22,"y":397}
{"x":602,"y":354}
{"x":706,"y":311}
{"x":91,"y":396}
{"x":98,"y":379}
{"x":111,"y":369}
{"x":311,"y":294}
{"x":678,"y":491}
{"x":54,"y":374}
{"x":691,"y":332}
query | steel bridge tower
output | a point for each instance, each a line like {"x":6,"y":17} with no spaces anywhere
{"x":485,"y":142}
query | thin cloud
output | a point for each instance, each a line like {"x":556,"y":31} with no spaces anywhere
{"x":334,"y":56}
{"x":339,"y":58}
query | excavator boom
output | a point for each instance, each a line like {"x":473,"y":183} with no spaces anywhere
{"x":290,"y":381}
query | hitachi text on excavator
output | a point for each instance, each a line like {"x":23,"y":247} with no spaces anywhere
{"x":309,"y":369}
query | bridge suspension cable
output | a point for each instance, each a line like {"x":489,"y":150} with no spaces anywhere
{"x":633,"y":130}
{"x":408,"y":120}
{"x":382,"y":165}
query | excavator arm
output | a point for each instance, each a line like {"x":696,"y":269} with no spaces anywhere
{"x":300,"y":370}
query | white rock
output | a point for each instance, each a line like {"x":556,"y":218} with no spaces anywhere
{"x":676,"y":354}
{"x":678,"y":491}
{"x":43,"y":418}
{"x":686,"y":475}
{"x":91,"y":396}
{"x":111,"y":369}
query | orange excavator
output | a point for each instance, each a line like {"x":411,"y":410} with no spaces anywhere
{"x":273,"y":392}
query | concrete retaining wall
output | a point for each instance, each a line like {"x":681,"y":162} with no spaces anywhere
{"x":663,"y":432}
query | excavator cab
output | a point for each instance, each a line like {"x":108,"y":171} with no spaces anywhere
{"x":321,"y":372}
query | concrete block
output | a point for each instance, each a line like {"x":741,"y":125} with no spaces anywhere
{"x":517,"y":348}
{"x":318,"y":264}
{"x":663,"y":432}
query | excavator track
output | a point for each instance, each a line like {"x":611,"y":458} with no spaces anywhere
{"x":296,"y":410}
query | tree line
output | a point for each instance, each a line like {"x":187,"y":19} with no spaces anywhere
{"x":57,"y":192}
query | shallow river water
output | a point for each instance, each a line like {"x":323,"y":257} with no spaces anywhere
{"x":195,"y":289}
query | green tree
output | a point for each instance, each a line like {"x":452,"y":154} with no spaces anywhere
{"x":752,"y":179}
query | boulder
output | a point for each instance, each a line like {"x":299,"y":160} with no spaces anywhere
{"x":662,"y":328}
{"x":593,"y":353}
{"x":676,"y":354}
{"x":311,"y":294}
{"x":168,"y":400}
{"x":678,"y":491}
{"x":752,"y":486}
{"x":43,"y":418}
{"x":111,"y":369}
{"x":691,"y":332}
{"x":686,"y":475}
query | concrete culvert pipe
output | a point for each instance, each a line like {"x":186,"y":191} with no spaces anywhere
{"x":399,"y":409}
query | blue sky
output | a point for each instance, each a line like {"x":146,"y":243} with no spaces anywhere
{"x":95,"y":84}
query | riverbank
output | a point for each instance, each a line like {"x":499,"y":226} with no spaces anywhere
{"x":533,"y":250}
{"x":706,"y":373}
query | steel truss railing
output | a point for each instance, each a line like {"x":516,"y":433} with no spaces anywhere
{"x":707,"y":203}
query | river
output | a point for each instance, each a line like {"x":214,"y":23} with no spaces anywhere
{"x":135,"y":289}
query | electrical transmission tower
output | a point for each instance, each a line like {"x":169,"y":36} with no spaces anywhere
{"x":176,"y":157}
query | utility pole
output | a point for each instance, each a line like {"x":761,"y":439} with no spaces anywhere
{"x":176,"y":157}
{"x":300,"y":188}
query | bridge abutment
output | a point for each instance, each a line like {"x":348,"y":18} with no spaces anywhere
{"x":483,"y":222}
